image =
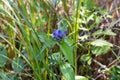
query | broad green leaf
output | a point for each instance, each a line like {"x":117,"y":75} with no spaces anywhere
{"x":3,"y":76}
{"x":107,"y":71}
{"x":101,"y":42}
{"x":100,"y":50}
{"x":69,"y":41}
{"x":47,"y":44}
{"x":67,"y":51}
{"x":109,"y":32}
{"x":67,"y":71}
{"x":3,"y":57}
{"x":17,"y":64}
{"x":89,"y":61}
{"x":87,"y":58}
{"x":115,"y":73}
{"x":80,"y":78}
{"x":106,"y":32}
{"x":98,"y":32}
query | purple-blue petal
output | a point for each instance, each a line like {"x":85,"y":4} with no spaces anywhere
{"x":59,"y":31}
{"x":59,"y":34}
{"x":65,"y":32}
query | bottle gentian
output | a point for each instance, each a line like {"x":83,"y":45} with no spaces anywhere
{"x":59,"y":34}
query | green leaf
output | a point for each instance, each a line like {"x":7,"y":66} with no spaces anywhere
{"x":67,"y":51}
{"x":80,"y":78}
{"x":106,"y":32}
{"x":69,"y":41}
{"x":86,"y":57}
{"x":67,"y":71}
{"x":3,"y":59}
{"x":3,"y":76}
{"x":17,"y":64}
{"x":98,"y":32}
{"x":47,"y":44}
{"x":89,"y":3}
{"x":89,"y":61}
{"x":109,"y":32}
{"x":100,"y":50}
{"x":101,"y":42}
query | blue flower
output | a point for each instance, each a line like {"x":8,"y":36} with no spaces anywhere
{"x":59,"y":34}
